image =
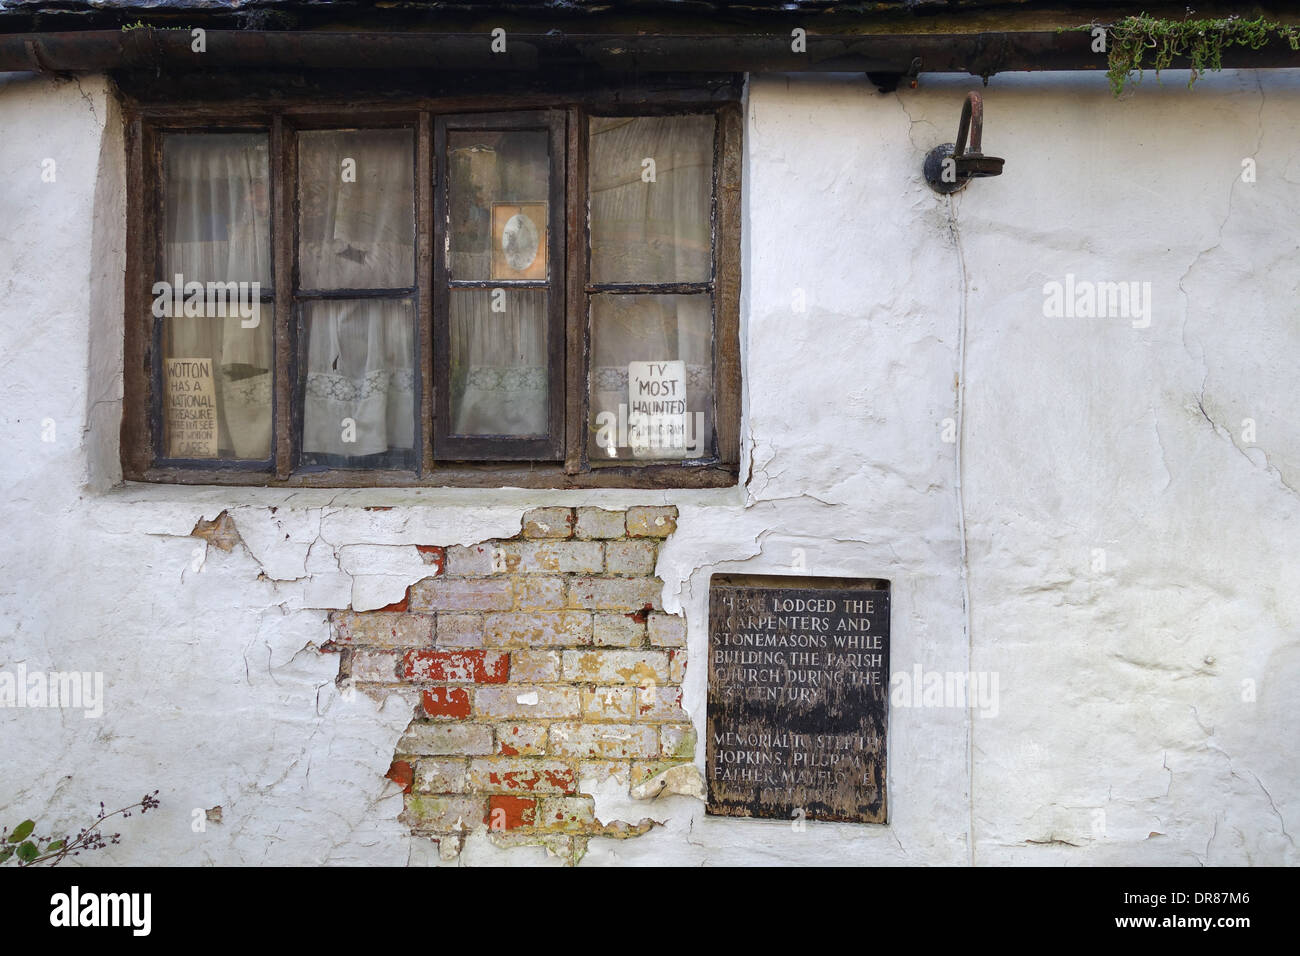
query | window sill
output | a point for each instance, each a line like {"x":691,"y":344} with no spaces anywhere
{"x":213,"y":496}
{"x":660,"y":477}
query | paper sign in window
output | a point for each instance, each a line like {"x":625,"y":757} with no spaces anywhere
{"x":656,"y":416}
{"x":190,"y":408}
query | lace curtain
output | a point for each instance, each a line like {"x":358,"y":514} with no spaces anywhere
{"x":357,"y":231}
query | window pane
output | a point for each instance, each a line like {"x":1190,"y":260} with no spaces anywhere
{"x":651,"y":377}
{"x":359,"y":406}
{"x":216,"y":386}
{"x":651,"y":193}
{"x":499,"y":376}
{"x":498,"y":185}
{"x":218,"y":208}
{"x":356,"y":209}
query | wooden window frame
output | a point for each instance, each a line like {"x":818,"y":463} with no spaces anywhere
{"x":146,"y":122}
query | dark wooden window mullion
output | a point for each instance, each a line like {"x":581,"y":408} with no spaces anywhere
{"x":137,"y":443}
{"x":652,"y":288}
{"x":396,"y":292}
{"x":425,"y":241}
{"x":283,"y":179}
{"x":576,"y":333}
{"x":726,"y":297}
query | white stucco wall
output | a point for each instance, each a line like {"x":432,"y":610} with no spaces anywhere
{"x":1131,"y":558}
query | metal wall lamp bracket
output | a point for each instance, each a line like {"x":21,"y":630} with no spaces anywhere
{"x":951,"y":166}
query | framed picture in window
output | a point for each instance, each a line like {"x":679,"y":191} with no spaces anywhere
{"x":519,"y":240}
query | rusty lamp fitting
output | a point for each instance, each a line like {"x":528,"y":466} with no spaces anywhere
{"x":951,"y":166}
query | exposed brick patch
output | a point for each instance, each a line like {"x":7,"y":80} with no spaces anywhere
{"x":542,"y":662}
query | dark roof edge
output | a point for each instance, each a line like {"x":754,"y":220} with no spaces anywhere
{"x":978,"y":54}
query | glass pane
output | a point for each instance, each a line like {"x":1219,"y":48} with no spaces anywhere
{"x":651,"y":377}
{"x":651,"y":193}
{"x":356,"y":198}
{"x":359,"y":406}
{"x":216,"y":385}
{"x":498,"y":184}
{"x":499,"y":375}
{"x":218,"y":208}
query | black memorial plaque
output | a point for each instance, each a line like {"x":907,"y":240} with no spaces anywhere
{"x":798,"y":697}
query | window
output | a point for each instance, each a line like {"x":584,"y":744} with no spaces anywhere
{"x":429,"y":295}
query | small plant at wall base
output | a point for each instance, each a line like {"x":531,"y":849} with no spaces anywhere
{"x":23,"y":847}
{"x":1200,"y":41}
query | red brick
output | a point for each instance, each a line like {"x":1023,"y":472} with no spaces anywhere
{"x":508,"y":813}
{"x":521,"y":774}
{"x":479,"y":667}
{"x":452,"y":702}
{"x":402,"y":774}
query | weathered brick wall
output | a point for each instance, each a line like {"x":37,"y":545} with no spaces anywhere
{"x":540,"y":663}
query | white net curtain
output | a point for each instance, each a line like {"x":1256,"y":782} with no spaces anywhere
{"x":357,"y":231}
{"x":217,"y":229}
{"x":498,"y":360}
{"x":651,"y":190}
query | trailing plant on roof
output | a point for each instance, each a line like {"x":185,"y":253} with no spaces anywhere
{"x":1142,"y":42}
